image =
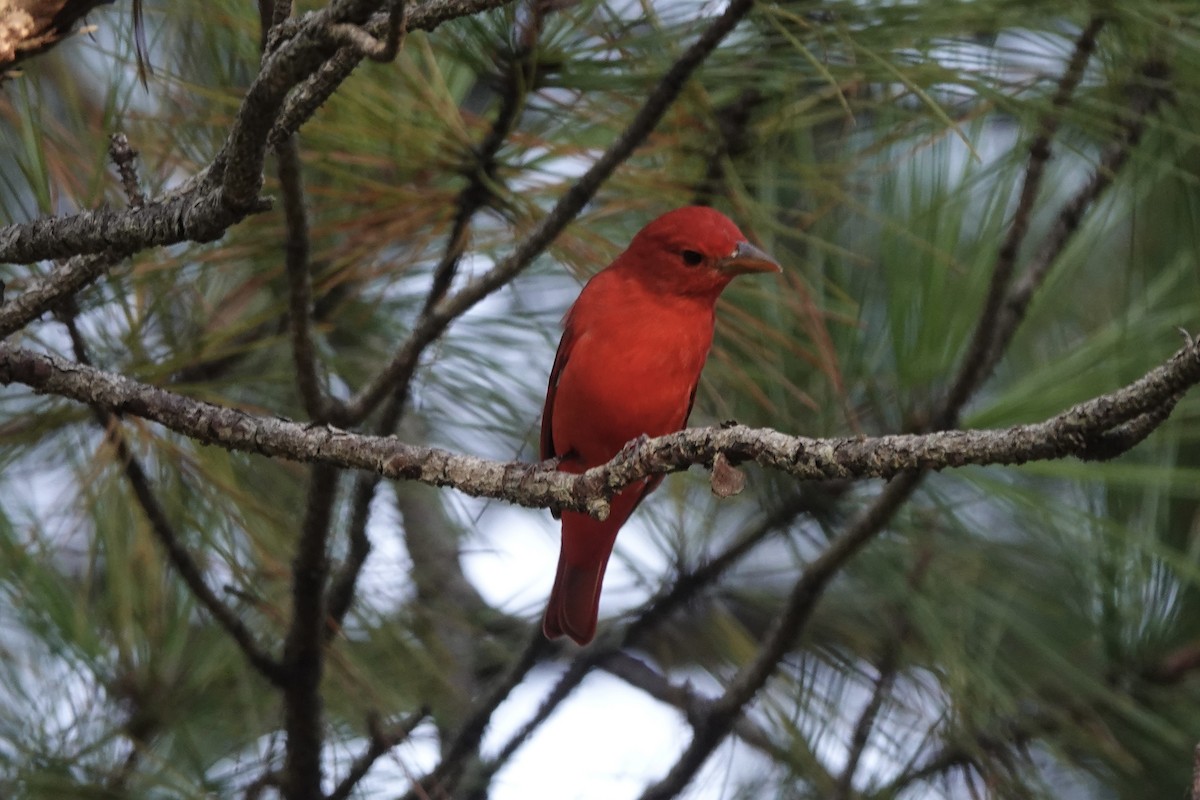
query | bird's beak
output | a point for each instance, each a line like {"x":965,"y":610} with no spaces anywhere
{"x":748,"y":258}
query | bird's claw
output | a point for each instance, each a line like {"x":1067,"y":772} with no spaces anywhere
{"x":632,"y":446}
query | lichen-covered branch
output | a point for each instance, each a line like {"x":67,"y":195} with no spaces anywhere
{"x":1071,"y":433}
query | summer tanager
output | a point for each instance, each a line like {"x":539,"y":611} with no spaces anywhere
{"x":628,"y":364}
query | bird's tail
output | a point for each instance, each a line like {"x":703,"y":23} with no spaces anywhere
{"x":575,"y":599}
{"x":586,"y":545}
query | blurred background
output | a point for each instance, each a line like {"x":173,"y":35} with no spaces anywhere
{"x":1016,"y":632}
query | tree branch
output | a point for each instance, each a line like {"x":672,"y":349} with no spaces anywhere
{"x":982,"y":352}
{"x":811,"y":584}
{"x":381,"y":741}
{"x":303,"y":653}
{"x":312,"y":93}
{"x":164,"y":531}
{"x":471,"y":732}
{"x":223,"y":193}
{"x":694,"y":705}
{"x":296,"y":258}
{"x":1073,"y":432}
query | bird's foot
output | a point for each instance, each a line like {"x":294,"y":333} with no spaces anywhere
{"x":632,"y":447}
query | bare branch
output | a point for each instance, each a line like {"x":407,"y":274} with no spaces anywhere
{"x":693,"y":706}
{"x":889,"y":667}
{"x":345,"y":579}
{"x":320,"y":86}
{"x":198,"y":216}
{"x":63,"y":281}
{"x":351,"y":35}
{"x":1145,"y":100}
{"x":1073,"y":432}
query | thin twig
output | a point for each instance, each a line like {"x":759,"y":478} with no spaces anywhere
{"x":1008,"y":736}
{"x":889,"y":667}
{"x":345,"y":580}
{"x":694,"y":705}
{"x":343,"y":585}
{"x":381,"y":741}
{"x":64,"y":280}
{"x":471,"y":732}
{"x":164,"y":531}
{"x":977,"y":363}
{"x":479,"y":191}
{"x":296,"y":257}
{"x":124,"y":158}
{"x":1146,"y":98}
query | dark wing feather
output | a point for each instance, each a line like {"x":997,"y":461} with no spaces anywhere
{"x":560,"y":361}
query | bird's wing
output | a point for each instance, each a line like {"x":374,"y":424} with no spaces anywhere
{"x":655,"y":480}
{"x":560,"y":361}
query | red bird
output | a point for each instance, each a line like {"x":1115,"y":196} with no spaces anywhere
{"x":628,"y":364}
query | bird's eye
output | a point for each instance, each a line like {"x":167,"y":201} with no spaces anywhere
{"x":692,"y":257}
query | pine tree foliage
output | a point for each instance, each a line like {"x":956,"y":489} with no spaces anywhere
{"x":1000,"y":632}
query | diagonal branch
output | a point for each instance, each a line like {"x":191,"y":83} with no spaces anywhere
{"x":694,"y":705}
{"x":1145,"y":100}
{"x":982,"y":352}
{"x":64,"y":280}
{"x":808,"y":590}
{"x":382,"y":740}
{"x":889,"y":665}
{"x":170,"y":541}
{"x":471,"y":732}
{"x":226,"y":191}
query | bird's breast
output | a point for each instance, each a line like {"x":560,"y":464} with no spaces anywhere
{"x":628,"y":374}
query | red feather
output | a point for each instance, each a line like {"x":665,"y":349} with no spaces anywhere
{"x":632,"y":350}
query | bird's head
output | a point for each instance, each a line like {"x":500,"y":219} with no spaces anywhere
{"x":693,"y":251}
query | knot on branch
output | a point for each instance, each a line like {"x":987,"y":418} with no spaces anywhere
{"x":348,"y":34}
{"x":206,"y":218}
{"x":727,"y":480}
